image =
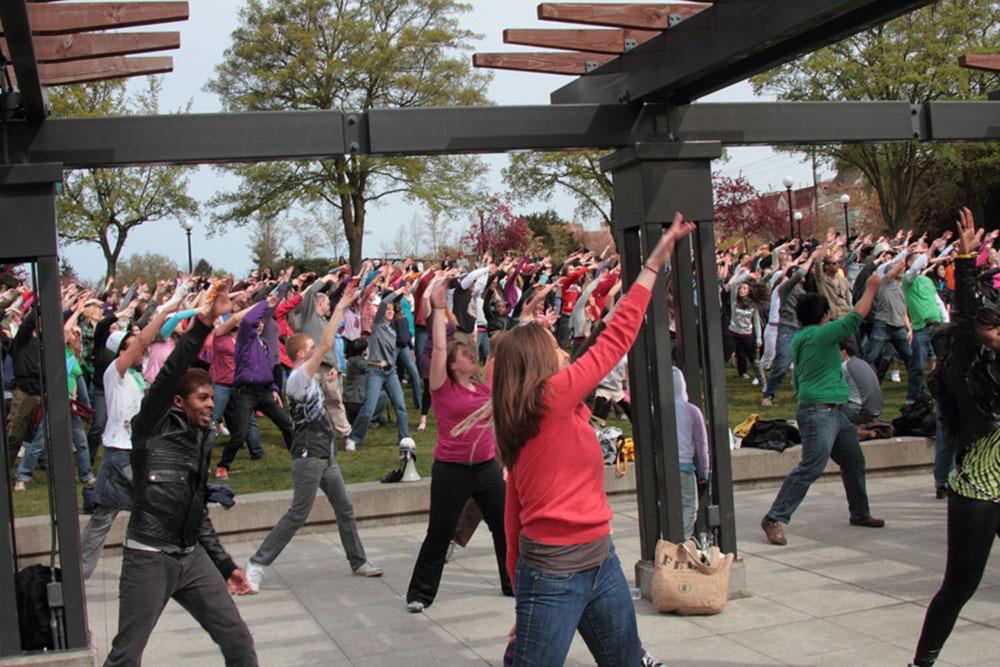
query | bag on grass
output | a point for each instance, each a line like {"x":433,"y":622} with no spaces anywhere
{"x":773,"y":434}
{"x":689,"y":581}
{"x":917,"y":418}
{"x":33,"y":613}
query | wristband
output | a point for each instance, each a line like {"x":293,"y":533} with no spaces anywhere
{"x":966,"y":255}
{"x":647,"y":266}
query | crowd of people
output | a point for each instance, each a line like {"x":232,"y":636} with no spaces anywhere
{"x":522,"y":359}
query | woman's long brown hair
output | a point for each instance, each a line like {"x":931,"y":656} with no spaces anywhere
{"x":525,"y":360}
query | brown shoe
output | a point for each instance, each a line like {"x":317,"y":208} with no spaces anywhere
{"x":774,"y":530}
{"x":868,"y":522}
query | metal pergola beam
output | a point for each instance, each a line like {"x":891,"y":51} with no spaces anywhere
{"x":17,"y":32}
{"x":725,"y":44}
{"x":292,"y":135}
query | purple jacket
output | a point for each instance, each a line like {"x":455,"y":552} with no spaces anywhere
{"x":253,"y":358}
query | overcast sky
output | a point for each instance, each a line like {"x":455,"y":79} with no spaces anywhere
{"x":205,"y":36}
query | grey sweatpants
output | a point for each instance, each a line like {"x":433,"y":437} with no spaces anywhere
{"x":308,"y":475}
{"x":150,"y":579}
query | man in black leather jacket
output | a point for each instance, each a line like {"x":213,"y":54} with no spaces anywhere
{"x":171,"y":549}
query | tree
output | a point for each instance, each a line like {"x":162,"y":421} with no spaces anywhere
{"x":497,"y":229}
{"x":147,"y":267}
{"x":912,"y":58}
{"x":204,"y":268}
{"x":266,"y":243}
{"x":318,"y":232}
{"x":535,"y":176}
{"x":551,"y":235}
{"x":741,"y":211}
{"x":102,"y":206}
{"x":352,"y":55}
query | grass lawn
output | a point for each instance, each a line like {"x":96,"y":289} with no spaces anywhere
{"x":379,"y":454}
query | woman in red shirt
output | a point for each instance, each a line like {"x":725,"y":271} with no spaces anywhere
{"x":559,"y":549}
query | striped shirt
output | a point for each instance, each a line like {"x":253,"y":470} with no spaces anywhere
{"x":978,"y":475}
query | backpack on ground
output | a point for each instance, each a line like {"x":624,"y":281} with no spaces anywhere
{"x":33,"y":613}
{"x":774,"y":434}
{"x":917,"y":418}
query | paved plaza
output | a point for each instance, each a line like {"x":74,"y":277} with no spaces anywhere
{"x":835,"y":595}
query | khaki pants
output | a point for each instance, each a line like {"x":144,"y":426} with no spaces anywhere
{"x":333,"y":401}
{"x":19,"y":421}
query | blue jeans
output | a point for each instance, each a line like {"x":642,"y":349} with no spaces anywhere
{"x":944,"y":452}
{"x":375,"y":380}
{"x":420,"y":339}
{"x":826,"y":433}
{"x":36,"y":448}
{"x":408,"y":362}
{"x":222,"y":394}
{"x":97,"y":422}
{"x":782,"y":360}
{"x":551,"y":607}
{"x":483,"y":343}
{"x":923,"y":351}
{"x":883,"y":335}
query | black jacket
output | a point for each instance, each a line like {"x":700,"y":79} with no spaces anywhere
{"x":170,"y":459}
{"x":26,"y":353}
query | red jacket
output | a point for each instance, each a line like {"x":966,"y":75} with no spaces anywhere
{"x":555,"y":489}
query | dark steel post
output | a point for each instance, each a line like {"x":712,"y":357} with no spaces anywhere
{"x":716,"y":406}
{"x":10,"y":640}
{"x":28,"y":212}
{"x":190,"y":264}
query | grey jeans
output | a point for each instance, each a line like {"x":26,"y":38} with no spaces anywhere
{"x":93,"y":537}
{"x":150,"y":579}
{"x":689,"y":501}
{"x":308,"y":475}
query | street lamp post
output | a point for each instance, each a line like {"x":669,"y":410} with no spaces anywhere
{"x":788,"y":182}
{"x":845,"y":199}
{"x":798,"y":222}
{"x":188,"y":226}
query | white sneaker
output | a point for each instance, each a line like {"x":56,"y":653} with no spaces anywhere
{"x":255,"y":574}
{"x":19,"y":485}
{"x":223,"y":431}
{"x":349,"y":445}
{"x":368,"y":569}
{"x":755,"y":382}
{"x":894,"y":376}
{"x":415,"y":607}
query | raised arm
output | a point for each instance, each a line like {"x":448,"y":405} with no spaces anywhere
{"x":439,"y":333}
{"x":312,"y":364}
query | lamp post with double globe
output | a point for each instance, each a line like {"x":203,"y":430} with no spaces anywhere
{"x":798,"y":222}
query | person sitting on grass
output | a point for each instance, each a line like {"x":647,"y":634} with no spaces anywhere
{"x":314,"y":465}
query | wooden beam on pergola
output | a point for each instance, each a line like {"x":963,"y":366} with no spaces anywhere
{"x":56,"y":18}
{"x":100,"y":69}
{"x":63,"y":48}
{"x":642,"y":16}
{"x":546,"y":63}
{"x":986,"y":63}
{"x":615,"y":40}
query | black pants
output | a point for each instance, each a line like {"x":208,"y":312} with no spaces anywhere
{"x":150,"y":579}
{"x":248,"y":398}
{"x":746,"y":353}
{"x":452,"y":484}
{"x":602,"y":408}
{"x":972,"y":527}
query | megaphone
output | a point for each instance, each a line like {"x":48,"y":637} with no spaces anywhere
{"x":408,"y":460}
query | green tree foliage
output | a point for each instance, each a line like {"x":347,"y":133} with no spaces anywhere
{"x":147,"y":267}
{"x":267,"y":243}
{"x":350,"y":55}
{"x":551,"y":235}
{"x":102,"y":206}
{"x":913,"y":58}
{"x":535,"y":176}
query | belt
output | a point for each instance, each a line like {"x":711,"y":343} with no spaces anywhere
{"x":827,"y":406}
{"x":381,"y":365}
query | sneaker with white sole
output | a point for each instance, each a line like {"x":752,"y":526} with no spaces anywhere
{"x":350,"y":445}
{"x":368,"y":569}
{"x":255,"y":575}
{"x":415,"y":607}
{"x":894,"y":376}
{"x":19,"y":485}
{"x":222,"y":430}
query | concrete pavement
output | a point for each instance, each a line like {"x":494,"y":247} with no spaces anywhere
{"x":835,"y":595}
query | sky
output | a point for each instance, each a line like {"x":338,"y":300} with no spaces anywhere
{"x":204,"y":38}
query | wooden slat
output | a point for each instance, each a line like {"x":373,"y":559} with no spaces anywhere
{"x":99,"y":69}
{"x":591,"y":41}
{"x":549,"y":63}
{"x":989,"y":63}
{"x":59,"y":19}
{"x":639,"y":15}
{"x":63,"y":48}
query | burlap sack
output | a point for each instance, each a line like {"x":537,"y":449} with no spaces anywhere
{"x":684,"y":583}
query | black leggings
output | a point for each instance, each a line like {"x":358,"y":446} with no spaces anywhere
{"x":746,"y":353}
{"x":425,"y":399}
{"x":972,"y":527}
{"x":602,"y":408}
{"x":452,"y":484}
